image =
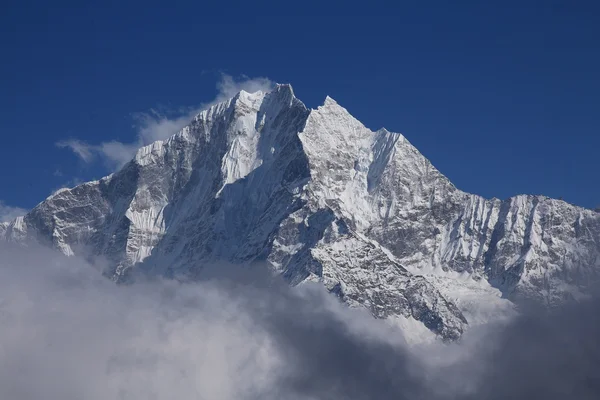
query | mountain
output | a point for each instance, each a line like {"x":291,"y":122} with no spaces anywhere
{"x":316,"y":195}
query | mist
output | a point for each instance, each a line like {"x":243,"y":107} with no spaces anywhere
{"x":68,"y":333}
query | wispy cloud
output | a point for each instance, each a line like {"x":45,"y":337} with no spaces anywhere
{"x":229,"y":87}
{"x":82,"y":149}
{"x":114,"y":153}
{"x":156,"y":125}
{"x":8,"y":213}
{"x":68,"y":184}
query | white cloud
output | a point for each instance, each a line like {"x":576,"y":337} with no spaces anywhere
{"x":114,"y":154}
{"x":8,"y":213}
{"x":68,"y":184}
{"x":229,"y":87}
{"x":68,"y":333}
{"x":154,"y":125}
{"x":82,"y":149}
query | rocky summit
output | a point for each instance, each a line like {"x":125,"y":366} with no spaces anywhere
{"x":316,"y":195}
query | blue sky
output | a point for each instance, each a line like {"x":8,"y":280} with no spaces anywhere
{"x":502,"y":97}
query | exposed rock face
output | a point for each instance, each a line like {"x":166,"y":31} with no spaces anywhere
{"x":261,"y":178}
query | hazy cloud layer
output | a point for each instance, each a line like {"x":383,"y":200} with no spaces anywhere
{"x":67,"y":333}
{"x":158,"y":125}
{"x":8,"y":213}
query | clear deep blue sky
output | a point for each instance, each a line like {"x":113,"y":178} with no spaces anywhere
{"x":502,"y":97}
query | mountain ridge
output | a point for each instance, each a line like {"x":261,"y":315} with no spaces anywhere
{"x":318,"y":196}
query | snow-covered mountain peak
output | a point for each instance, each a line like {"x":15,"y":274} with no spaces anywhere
{"x":332,"y":108}
{"x":260,"y":178}
{"x":285,"y":89}
{"x":246,"y":99}
{"x":330,"y":102}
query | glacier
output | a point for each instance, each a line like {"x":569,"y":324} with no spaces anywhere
{"x":317,"y":196}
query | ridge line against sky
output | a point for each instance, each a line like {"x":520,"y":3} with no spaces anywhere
{"x":503,"y":99}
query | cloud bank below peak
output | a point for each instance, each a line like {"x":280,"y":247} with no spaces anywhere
{"x":159,"y":125}
{"x":239,"y":334}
